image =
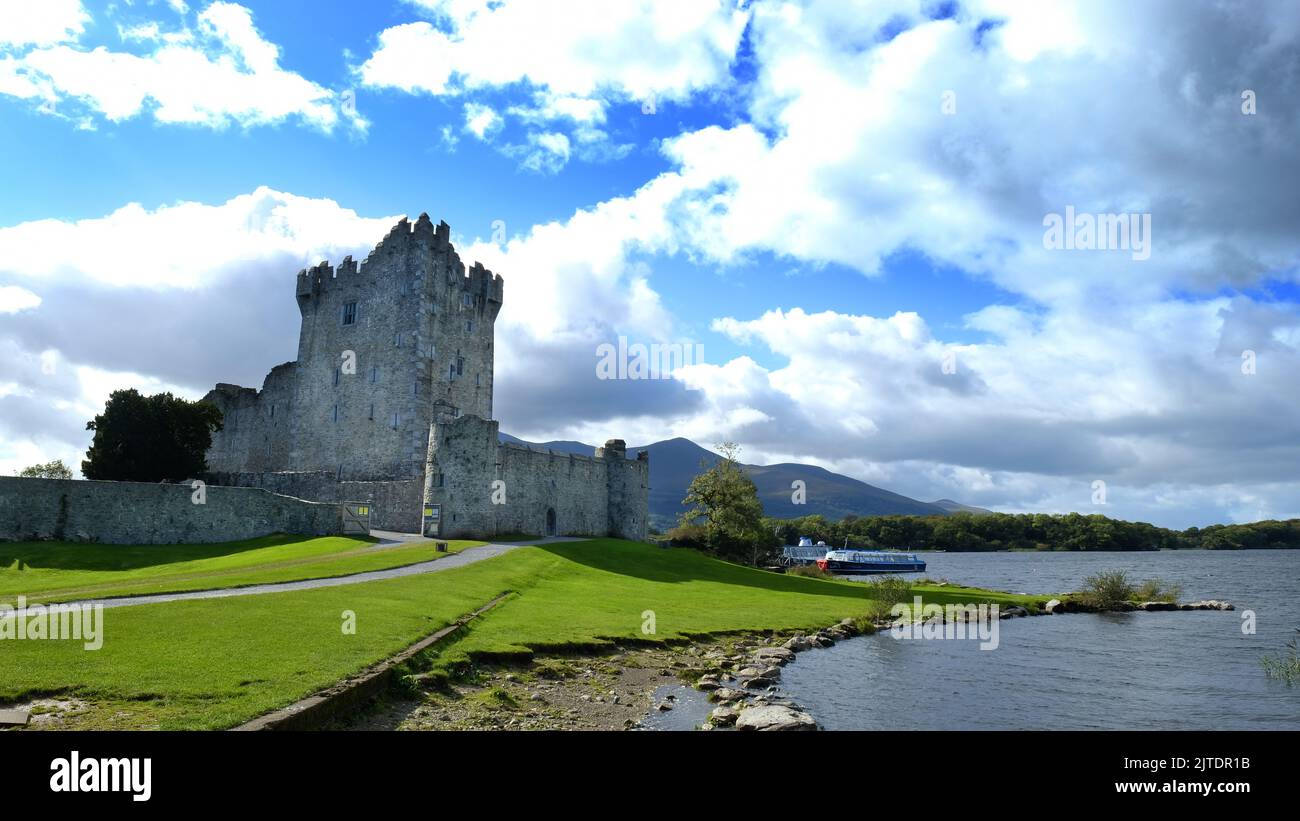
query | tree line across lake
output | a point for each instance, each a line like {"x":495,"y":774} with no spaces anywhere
{"x":724,"y":516}
{"x":975,"y":532}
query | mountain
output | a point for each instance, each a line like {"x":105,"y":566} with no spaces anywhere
{"x":675,"y":462}
{"x":957,"y":507}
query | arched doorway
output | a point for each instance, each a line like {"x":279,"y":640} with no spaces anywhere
{"x":550,"y":521}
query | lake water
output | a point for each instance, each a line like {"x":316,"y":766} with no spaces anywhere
{"x":1182,"y":670}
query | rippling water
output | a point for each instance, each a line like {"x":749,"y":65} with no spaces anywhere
{"x":1184,"y":670}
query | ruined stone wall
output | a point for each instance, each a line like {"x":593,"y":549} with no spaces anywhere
{"x":394,"y":503}
{"x":466,"y":459}
{"x":143,"y":513}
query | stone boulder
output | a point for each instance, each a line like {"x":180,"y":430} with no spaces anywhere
{"x":775,"y":655}
{"x":798,"y":644}
{"x":774,"y":717}
{"x":727,"y":694}
{"x":723,"y":716}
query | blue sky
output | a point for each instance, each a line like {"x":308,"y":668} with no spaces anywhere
{"x":782,"y":181}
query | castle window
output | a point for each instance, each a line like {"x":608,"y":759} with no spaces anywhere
{"x":451,"y":372}
{"x":478,"y":380}
{"x":372,"y":411}
{"x":273,"y":411}
{"x":397,"y":340}
{"x":395,"y":421}
{"x":415,"y":388}
{"x":460,"y":366}
{"x":374,"y":373}
{"x":432,"y":350}
{"x":439,"y":480}
{"x":349,"y":313}
{"x":336,"y":413}
{"x":336,"y":377}
{"x":469,"y":326}
{"x":467,"y":299}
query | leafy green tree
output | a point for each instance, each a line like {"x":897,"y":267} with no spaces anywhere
{"x":150,"y":438}
{"x":50,"y":470}
{"x":724,"y":500}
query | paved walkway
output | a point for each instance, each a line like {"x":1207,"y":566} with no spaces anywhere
{"x":468,"y":556}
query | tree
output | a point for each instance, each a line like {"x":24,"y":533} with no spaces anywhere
{"x":50,"y":470}
{"x":725,"y":500}
{"x":150,"y":438}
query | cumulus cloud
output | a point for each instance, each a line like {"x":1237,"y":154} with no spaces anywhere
{"x":867,"y":129}
{"x":578,"y":56}
{"x":219,"y":72}
{"x":41,"y":24}
{"x":1115,"y":369}
{"x":175,"y":298}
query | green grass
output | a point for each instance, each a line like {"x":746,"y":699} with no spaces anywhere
{"x":63,"y":571}
{"x":215,"y":663}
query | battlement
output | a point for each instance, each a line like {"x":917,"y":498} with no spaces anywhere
{"x":404,"y":238}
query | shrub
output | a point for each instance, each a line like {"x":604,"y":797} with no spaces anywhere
{"x":50,"y":470}
{"x":1158,"y":590}
{"x":1108,"y":588}
{"x":886,"y":592}
{"x":812,"y":571}
{"x":1284,"y":668}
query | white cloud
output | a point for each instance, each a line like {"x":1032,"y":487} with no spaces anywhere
{"x":481,"y":119}
{"x":187,"y":244}
{"x":1107,"y":370}
{"x":580,"y":48}
{"x":14,"y":299}
{"x":42,"y":23}
{"x":577,"y":55}
{"x":221,"y":73}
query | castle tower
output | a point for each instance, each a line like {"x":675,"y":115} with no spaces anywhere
{"x":386,"y":346}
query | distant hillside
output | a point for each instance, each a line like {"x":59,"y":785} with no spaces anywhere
{"x":957,"y":507}
{"x":675,"y":462}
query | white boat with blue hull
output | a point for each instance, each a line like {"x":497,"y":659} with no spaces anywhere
{"x":848,"y":561}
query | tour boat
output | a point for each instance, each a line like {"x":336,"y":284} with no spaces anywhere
{"x":848,"y":562}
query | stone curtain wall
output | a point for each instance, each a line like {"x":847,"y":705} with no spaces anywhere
{"x":142,"y":513}
{"x":599,"y":495}
{"x":394,"y":504}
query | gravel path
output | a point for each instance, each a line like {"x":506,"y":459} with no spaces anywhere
{"x":467,"y":556}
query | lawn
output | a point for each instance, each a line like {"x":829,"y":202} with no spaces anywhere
{"x":215,"y":663}
{"x":63,"y":571}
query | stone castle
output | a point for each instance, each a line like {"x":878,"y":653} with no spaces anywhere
{"x":389,"y":403}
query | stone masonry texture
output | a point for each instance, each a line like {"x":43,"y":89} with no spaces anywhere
{"x":144,"y":513}
{"x":389,"y":402}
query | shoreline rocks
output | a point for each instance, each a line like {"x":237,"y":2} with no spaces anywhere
{"x":774,"y":717}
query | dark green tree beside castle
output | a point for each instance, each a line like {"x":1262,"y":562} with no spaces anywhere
{"x":150,"y":438}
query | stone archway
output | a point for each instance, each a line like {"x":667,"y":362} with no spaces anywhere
{"x":550,"y":521}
